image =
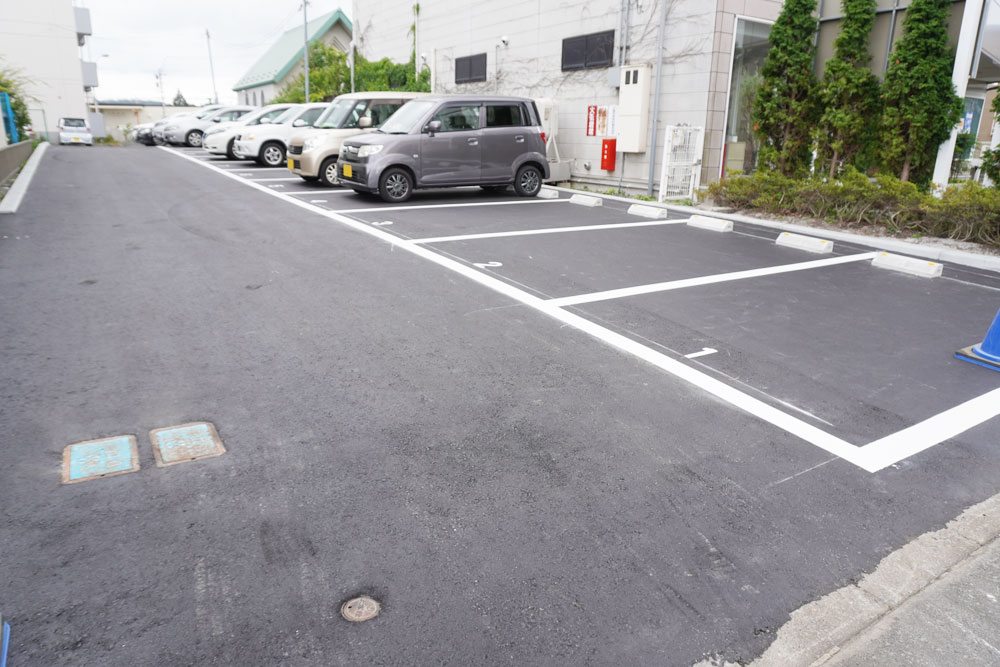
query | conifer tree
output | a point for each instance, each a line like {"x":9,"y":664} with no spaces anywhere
{"x":849,"y":95}
{"x":785,"y":110}
{"x":920,"y":106}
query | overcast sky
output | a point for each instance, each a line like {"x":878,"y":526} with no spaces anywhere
{"x":141,"y":37}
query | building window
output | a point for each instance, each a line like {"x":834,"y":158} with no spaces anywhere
{"x":586,"y":51}
{"x":470,"y":68}
{"x":750,"y":47}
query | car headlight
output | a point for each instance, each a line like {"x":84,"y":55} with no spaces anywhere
{"x":311,"y":143}
{"x":370,"y":149}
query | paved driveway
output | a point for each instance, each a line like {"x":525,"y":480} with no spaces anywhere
{"x":618,"y":442}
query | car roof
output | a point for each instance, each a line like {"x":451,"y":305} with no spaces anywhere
{"x":380,"y":95}
{"x":477,"y":98}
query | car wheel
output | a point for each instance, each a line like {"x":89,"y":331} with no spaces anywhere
{"x":272,"y":154}
{"x":328,"y":172}
{"x":230,"y":153}
{"x":193,"y":139}
{"x":528,"y":181}
{"x":395,"y":185}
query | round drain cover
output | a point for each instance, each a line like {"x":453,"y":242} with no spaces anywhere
{"x":360,"y":609}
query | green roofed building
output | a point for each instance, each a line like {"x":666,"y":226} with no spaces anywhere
{"x":283,"y":61}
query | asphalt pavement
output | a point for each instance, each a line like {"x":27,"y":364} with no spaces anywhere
{"x":515,"y":481}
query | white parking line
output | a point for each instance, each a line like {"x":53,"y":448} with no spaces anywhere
{"x":706,"y":280}
{"x":549,"y":230}
{"x":262,"y":180}
{"x":403,"y":207}
{"x":315,"y":191}
{"x":872,"y":457}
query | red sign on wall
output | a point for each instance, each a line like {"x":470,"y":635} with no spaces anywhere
{"x":608,"y":147}
{"x":591,"y":121}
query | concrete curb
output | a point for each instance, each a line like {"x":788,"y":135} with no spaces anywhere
{"x":943,"y":255}
{"x":820,"y":629}
{"x":12,"y":200}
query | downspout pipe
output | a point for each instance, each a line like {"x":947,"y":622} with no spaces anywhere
{"x":656,"y":96}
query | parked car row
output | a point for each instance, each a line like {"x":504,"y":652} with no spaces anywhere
{"x":384,"y":143}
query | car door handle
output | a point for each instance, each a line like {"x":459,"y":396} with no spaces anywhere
{"x":519,"y":138}
{"x":473,"y":141}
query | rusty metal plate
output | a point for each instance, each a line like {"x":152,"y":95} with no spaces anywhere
{"x":187,"y":442}
{"x":105,"y":457}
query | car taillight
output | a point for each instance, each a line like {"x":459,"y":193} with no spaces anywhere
{"x":543,"y":137}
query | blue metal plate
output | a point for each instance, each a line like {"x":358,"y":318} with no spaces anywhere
{"x":99,"y":458}
{"x":187,"y":442}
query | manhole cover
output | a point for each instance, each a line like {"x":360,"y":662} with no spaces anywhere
{"x":360,"y":609}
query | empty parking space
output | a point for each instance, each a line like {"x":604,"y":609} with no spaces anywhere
{"x":572,"y":264}
{"x":865,"y":351}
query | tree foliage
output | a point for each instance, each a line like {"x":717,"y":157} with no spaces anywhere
{"x":330,"y":75}
{"x":785,"y":110}
{"x":13,"y":82}
{"x":849,"y":96}
{"x":919,"y":100}
{"x":179,"y":100}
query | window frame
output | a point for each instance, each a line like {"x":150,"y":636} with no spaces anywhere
{"x":590,"y":46}
{"x":469,"y":62}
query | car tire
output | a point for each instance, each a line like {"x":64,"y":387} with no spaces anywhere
{"x":528,"y":181}
{"x":193,"y":139}
{"x":328,"y":172}
{"x":230,"y":153}
{"x":272,"y":154}
{"x":395,"y":185}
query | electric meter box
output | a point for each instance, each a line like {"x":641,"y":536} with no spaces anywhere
{"x":633,"y":107}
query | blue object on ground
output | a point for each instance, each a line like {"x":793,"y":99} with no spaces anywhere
{"x":4,"y":643}
{"x":987,"y":353}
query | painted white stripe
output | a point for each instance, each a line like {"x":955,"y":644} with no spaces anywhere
{"x":12,"y":200}
{"x":943,"y":426}
{"x":549,"y":230}
{"x":263,"y":180}
{"x":705,"y":351}
{"x":314,"y":191}
{"x":706,"y":280}
{"x":928,"y":433}
{"x":403,"y":207}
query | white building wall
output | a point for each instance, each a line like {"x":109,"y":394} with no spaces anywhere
{"x":531,"y":63}
{"x":39,"y":38}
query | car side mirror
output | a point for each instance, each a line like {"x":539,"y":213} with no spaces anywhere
{"x":299,"y":123}
{"x":433,"y":126}
{"x":365,"y":123}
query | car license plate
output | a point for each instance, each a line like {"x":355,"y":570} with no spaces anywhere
{"x":348,"y":172}
{"x":76,"y":138}
{"x":291,"y":164}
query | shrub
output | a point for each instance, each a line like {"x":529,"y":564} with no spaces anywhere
{"x":968,"y":212}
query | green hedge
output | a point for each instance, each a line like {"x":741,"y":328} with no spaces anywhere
{"x":966,"y":212}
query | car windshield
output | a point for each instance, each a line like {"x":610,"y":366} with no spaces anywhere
{"x":342,"y":113}
{"x":288,"y":115}
{"x":74,"y":122}
{"x":205,"y":114}
{"x":406,"y":119}
{"x":249,"y":118}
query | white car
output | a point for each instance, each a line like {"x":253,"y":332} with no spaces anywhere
{"x":75,"y":131}
{"x":160,"y":124}
{"x":220,"y":139}
{"x":267,"y":143}
{"x":188,"y":130}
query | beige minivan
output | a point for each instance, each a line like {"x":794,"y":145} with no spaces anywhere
{"x":312,"y":154}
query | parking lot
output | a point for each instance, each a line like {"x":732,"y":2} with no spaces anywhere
{"x":854,"y":359}
{"x":538,"y":432}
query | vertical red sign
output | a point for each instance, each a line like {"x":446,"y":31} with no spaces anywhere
{"x":608,"y":154}
{"x":592,"y":121}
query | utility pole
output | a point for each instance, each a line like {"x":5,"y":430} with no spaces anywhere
{"x":159,"y":84}
{"x":211,"y":68}
{"x":305,"y":36}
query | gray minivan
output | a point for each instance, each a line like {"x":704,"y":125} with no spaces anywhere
{"x":449,"y":140}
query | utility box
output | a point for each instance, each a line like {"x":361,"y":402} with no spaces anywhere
{"x":633,"y":107}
